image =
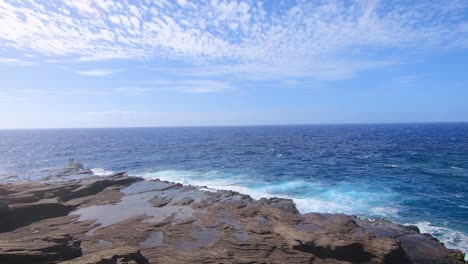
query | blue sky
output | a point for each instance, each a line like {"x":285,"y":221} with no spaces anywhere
{"x":101,"y":63}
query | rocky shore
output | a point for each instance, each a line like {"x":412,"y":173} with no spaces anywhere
{"x":77,"y":217}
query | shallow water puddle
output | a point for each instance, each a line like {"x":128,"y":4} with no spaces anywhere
{"x":203,"y":238}
{"x":242,"y":236}
{"x":156,"y":239}
{"x":104,"y":243}
{"x":240,"y":233}
{"x":132,"y":206}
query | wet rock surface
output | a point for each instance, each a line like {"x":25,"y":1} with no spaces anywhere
{"x":122,"y":219}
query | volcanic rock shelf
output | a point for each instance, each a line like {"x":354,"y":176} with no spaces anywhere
{"x":122,"y":219}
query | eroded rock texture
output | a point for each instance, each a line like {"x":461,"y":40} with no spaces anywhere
{"x":121,"y":219}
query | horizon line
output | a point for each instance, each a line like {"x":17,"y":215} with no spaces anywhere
{"x":258,"y":125}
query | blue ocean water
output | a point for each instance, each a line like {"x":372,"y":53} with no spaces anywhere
{"x":408,"y":173}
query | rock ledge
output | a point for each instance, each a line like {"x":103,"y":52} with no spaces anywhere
{"x":122,"y":219}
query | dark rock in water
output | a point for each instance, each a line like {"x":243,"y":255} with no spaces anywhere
{"x":75,"y":165}
{"x":414,"y":228}
{"x":121,"y":219}
{"x":119,"y":174}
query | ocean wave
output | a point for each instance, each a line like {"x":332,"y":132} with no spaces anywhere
{"x":214,"y":180}
{"x":385,"y":211}
{"x":211,"y":179}
{"x":309,"y":196}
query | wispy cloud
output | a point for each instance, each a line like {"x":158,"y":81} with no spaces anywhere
{"x":8,"y":98}
{"x":193,"y":86}
{"x":200,"y":86}
{"x":62,"y":92}
{"x":334,"y":69}
{"x":134,"y":90}
{"x":16,"y":62}
{"x":95,"y":72}
{"x":319,"y":39}
{"x":407,"y":80}
{"x":179,"y":86}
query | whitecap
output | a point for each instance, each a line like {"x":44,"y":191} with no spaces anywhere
{"x":101,"y":172}
{"x":385,"y":211}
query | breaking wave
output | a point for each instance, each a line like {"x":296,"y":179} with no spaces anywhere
{"x":349,"y":198}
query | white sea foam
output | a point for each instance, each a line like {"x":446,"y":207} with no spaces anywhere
{"x":305,"y":205}
{"x":101,"y":172}
{"x":451,"y":238}
{"x":385,"y":211}
{"x":308,"y":196}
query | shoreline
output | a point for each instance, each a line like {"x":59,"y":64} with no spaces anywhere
{"x":158,"y":219}
{"x":421,"y":224}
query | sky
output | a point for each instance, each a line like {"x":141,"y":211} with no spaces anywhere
{"x":102,"y":63}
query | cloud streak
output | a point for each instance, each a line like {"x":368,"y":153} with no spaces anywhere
{"x":197,"y":86}
{"x":179,"y":86}
{"x":319,"y":39}
{"x":8,"y":98}
{"x":95,"y":72}
{"x":16,"y":62}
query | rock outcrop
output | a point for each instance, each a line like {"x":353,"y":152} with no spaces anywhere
{"x":39,"y":249}
{"x":122,"y":219}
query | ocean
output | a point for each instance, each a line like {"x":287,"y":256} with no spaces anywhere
{"x":407,"y":173}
